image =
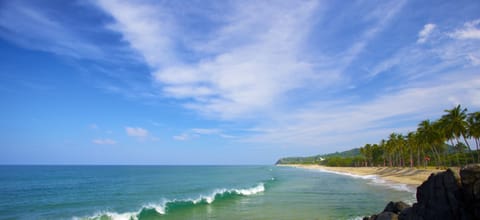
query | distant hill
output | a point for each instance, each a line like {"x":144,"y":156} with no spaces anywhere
{"x":319,"y":158}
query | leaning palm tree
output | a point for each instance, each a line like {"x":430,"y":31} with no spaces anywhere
{"x":455,"y":124}
{"x":474,"y":130}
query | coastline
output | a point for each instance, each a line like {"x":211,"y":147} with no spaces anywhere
{"x":410,"y":176}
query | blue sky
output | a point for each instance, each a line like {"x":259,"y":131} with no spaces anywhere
{"x":226,"y":82}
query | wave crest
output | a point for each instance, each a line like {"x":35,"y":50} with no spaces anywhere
{"x":161,"y":209}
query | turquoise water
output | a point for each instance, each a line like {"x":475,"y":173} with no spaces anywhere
{"x":189,"y":192}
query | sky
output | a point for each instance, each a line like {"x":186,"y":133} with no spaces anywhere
{"x":226,"y":82}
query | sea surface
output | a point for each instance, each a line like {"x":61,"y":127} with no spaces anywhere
{"x":190,"y":192}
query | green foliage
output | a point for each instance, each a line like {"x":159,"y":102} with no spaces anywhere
{"x":319,"y":159}
{"x":443,"y":142}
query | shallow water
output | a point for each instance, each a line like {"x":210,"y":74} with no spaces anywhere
{"x":189,"y":192}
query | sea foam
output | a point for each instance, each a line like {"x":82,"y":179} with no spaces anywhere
{"x":375,"y":180}
{"x":162,"y":207}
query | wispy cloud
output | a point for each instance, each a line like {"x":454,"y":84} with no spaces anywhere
{"x":33,"y":28}
{"x":470,"y":30}
{"x":182,"y":137}
{"x":206,"y":131}
{"x":326,"y":124}
{"x":287,"y":72}
{"x":197,"y":132}
{"x":425,"y":32}
{"x":236,"y":79}
{"x":420,"y":91}
{"x":136,"y":132}
{"x":105,"y":141}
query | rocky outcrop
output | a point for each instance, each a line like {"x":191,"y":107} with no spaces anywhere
{"x":443,"y":196}
{"x":391,"y":211}
{"x":470,"y":176}
{"x":439,"y":197}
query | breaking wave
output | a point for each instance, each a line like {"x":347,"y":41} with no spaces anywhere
{"x":156,"y":209}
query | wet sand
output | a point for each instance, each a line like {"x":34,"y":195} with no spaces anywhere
{"x":410,"y":176}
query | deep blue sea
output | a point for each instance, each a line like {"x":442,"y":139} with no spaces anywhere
{"x":190,"y":192}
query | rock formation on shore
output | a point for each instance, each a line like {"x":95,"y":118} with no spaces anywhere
{"x":442,"y":196}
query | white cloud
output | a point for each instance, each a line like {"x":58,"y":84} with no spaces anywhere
{"x":105,"y":141}
{"x":197,"y":132}
{"x":145,"y":27}
{"x":251,"y":64}
{"x":474,"y":60}
{"x":470,"y":30}
{"x":206,"y":131}
{"x":182,"y":137}
{"x":425,"y":33}
{"x":30,"y":26}
{"x":136,"y":132}
{"x":252,"y":60}
{"x":348,"y":124}
{"x":237,"y":79}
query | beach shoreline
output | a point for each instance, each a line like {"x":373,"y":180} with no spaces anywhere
{"x":410,"y":176}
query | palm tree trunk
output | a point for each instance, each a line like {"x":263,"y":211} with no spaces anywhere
{"x":476,"y":145}
{"x":456,"y":152}
{"x":468,"y":146}
{"x":437,"y":155}
{"x":418,"y":157}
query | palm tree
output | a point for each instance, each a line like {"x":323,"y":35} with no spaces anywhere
{"x":383,"y":146}
{"x":455,"y":124}
{"x":430,"y":136}
{"x":392,"y":148}
{"x":411,"y":142}
{"x":474,"y":130}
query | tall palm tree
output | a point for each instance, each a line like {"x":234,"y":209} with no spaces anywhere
{"x":455,"y":124}
{"x":383,"y":146}
{"x":411,"y":143}
{"x":430,"y":136}
{"x":392,"y":149}
{"x":474,"y":130}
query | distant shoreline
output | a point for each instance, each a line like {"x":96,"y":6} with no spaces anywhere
{"x":409,"y":176}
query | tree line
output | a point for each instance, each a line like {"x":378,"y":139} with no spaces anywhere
{"x":443,"y":142}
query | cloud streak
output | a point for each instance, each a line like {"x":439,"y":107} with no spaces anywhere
{"x":137,"y":132}
{"x":236,"y":79}
{"x":425,"y":32}
{"x":197,"y":132}
{"x":105,"y":141}
{"x":470,"y":30}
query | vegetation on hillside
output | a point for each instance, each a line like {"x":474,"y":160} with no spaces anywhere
{"x":443,"y":142}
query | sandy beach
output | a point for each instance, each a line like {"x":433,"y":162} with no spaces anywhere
{"x":410,"y":176}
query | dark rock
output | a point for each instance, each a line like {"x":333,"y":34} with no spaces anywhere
{"x":396,"y":207}
{"x":470,"y":176}
{"x":442,"y":196}
{"x":387,"y":216}
{"x":407,"y":214}
{"x":439,"y":197}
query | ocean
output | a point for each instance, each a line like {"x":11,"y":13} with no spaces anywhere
{"x":190,"y":192}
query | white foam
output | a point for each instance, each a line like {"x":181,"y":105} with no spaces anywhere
{"x":113,"y":216}
{"x":349,"y":174}
{"x":356,"y":218}
{"x":160,"y":208}
{"x":244,"y":192}
{"x":376,"y":180}
{"x":122,"y":216}
{"x":251,"y":191}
